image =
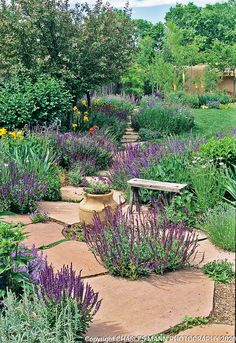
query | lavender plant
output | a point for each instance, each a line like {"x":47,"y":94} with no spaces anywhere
{"x":53,"y":287}
{"x":130,"y":162}
{"x":19,"y":189}
{"x":56,"y":289}
{"x":157,"y":115}
{"x":31,"y":320}
{"x":131,"y":247}
{"x":75,"y":148}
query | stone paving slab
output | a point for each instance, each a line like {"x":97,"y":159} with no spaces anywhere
{"x":213,"y":253}
{"x":71,"y":193}
{"x":213,"y":330}
{"x":151,"y":305}
{"x":23,"y":219}
{"x":43,"y":233}
{"x":76,"y":253}
{"x":63,"y":212}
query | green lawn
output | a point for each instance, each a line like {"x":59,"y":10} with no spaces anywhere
{"x":210,"y":121}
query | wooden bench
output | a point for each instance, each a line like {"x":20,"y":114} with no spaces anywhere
{"x":136,"y":184}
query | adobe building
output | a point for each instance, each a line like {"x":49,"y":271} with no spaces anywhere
{"x":194,"y":84}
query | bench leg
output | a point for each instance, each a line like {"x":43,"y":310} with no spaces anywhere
{"x":131,"y":200}
{"x":137,"y":200}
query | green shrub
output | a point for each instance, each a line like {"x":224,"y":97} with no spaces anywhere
{"x":184,"y":99}
{"x":118,"y":103}
{"x":75,"y":177}
{"x":219,"y":271}
{"x":219,"y":224}
{"x":113,"y":126}
{"x":149,"y":135}
{"x":171,"y":168}
{"x":19,"y":265}
{"x":208,"y":186}
{"x":53,"y":182}
{"x":23,"y":102}
{"x":166,"y":118}
{"x":221,"y":150}
{"x":230,"y":195}
{"x":222,"y":98}
{"x":38,"y":216}
{"x":30,"y":320}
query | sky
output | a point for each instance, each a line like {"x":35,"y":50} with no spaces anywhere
{"x":152,"y":10}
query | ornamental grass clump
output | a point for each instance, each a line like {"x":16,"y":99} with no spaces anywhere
{"x":131,"y":246}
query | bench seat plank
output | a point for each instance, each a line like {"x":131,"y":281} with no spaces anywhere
{"x":157,"y":185}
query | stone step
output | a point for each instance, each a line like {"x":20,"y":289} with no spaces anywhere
{"x":129,"y":133}
{"x":132,"y":137}
{"x":128,"y":140}
{"x":129,"y":129}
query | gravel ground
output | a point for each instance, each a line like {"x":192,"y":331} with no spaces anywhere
{"x":224,"y":303}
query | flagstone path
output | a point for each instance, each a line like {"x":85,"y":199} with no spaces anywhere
{"x":144,"y":307}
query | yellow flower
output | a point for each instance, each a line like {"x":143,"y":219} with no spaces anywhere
{"x":79,"y":113}
{"x":3,"y":131}
{"x":84,"y":102}
{"x":20,"y":135}
{"x":86,"y":113}
{"x":74,"y":126}
{"x":86,"y":119}
{"x":75,"y":108}
{"x":13,"y":135}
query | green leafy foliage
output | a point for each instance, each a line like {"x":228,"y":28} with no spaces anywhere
{"x":222,"y":151}
{"x":75,"y":176}
{"x":113,"y":127}
{"x":10,"y":238}
{"x":231,"y":186}
{"x":219,"y":271}
{"x":208,"y":186}
{"x":166,"y":118}
{"x":58,"y":41}
{"x":23,"y":102}
{"x":149,"y":135}
{"x":39,"y":216}
{"x":31,"y":320}
{"x":184,"y":99}
{"x":206,"y":98}
{"x":53,"y":181}
{"x":188,"y":323}
{"x":219,"y":223}
{"x":98,"y":187}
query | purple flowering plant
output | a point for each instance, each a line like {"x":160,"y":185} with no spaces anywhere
{"x":19,"y":265}
{"x":95,"y":150}
{"x":58,"y":289}
{"x":131,"y":245}
{"x":19,"y":189}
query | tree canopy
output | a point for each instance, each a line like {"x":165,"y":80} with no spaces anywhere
{"x":85,"y":47}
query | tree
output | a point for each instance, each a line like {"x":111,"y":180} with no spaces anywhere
{"x":212,"y":22}
{"x":85,"y":47}
{"x":161,"y":75}
{"x":106,"y":45}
